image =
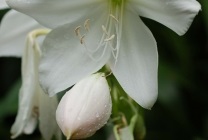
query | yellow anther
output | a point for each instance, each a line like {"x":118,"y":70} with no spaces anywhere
{"x":77,"y":30}
{"x":82,"y":39}
{"x":87,"y":24}
{"x":35,"y":111}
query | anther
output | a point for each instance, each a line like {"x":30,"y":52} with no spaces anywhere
{"x":110,"y":38}
{"x":114,"y":17}
{"x":82,"y":39}
{"x":87,"y":24}
{"x":108,"y":74}
{"x":77,"y":30}
{"x":104,"y":30}
{"x":35,"y":111}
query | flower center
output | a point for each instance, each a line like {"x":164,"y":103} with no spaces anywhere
{"x":112,"y":30}
{"x":116,"y":21}
{"x":117,"y":2}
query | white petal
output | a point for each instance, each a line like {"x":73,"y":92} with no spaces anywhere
{"x":175,"y":14}
{"x":30,"y":125}
{"x":3,"y":4}
{"x":52,"y":13}
{"x":65,"y":60}
{"x":136,"y":69}
{"x":25,"y":122}
{"x":13,"y":31}
{"x":47,"y":121}
{"x":28,"y":97}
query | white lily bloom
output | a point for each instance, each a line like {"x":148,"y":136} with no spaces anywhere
{"x":91,"y":33}
{"x":34,"y":104}
{"x":85,"y":108}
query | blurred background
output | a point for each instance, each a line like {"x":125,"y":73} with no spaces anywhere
{"x":181,"y":111}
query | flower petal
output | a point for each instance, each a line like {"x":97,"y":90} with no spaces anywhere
{"x":175,"y":14}
{"x":52,"y":13}
{"x":136,"y":69}
{"x":25,"y":122}
{"x":30,"y":125}
{"x":13,"y":31}
{"x":28,"y":97}
{"x":47,"y":120}
{"x":65,"y":60}
{"x":3,"y":5}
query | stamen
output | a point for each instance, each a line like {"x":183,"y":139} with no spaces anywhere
{"x":82,"y":39}
{"x":77,"y":30}
{"x":114,"y":17}
{"x":35,"y":111}
{"x":99,"y":58}
{"x":104,"y":50}
{"x":104,"y":30}
{"x":110,"y":38}
{"x":108,"y":74}
{"x":87,"y":24}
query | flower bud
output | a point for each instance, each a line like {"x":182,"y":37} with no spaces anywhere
{"x":85,"y":108}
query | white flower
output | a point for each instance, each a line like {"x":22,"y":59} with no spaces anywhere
{"x":34,"y":104}
{"x":85,"y":108}
{"x":91,"y":33}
